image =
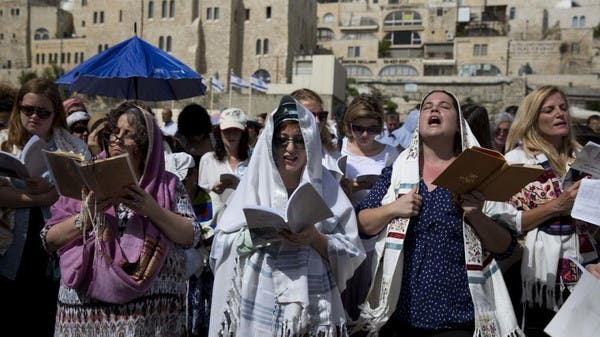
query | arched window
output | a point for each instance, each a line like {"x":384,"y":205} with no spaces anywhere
{"x":575,"y":22}
{"x":265,"y":46}
{"x":398,"y":70}
{"x":169,"y":43}
{"x":258,"y":47}
{"x":161,"y":42}
{"x":478,"y":69}
{"x":328,"y":18}
{"x":404,"y":37}
{"x":263,"y":75}
{"x":41,"y":34}
{"x":172,"y":9}
{"x":150,"y":9}
{"x":582,"y":21}
{"x":358,"y":71}
{"x":163,"y":12}
{"x":403,"y":18}
{"x":324,"y":34}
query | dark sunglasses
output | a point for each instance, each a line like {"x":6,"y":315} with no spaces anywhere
{"x":500,"y":131}
{"x":372,"y":130}
{"x":29,"y":110}
{"x":321,"y":116}
{"x":79,"y":129}
{"x":282,"y":141}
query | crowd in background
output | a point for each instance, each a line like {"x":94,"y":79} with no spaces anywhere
{"x":173,"y":256}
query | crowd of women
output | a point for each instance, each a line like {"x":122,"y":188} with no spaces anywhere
{"x":174,"y":256}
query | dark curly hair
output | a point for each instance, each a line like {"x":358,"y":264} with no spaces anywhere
{"x":135,"y":117}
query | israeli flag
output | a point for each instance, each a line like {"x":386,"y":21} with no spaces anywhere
{"x":258,"y":84}
{"x":216,"y":85}
{"x":238,"y":82}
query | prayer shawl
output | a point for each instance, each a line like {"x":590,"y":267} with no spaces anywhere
{"x":283,"y":289}
{"x":494,"y":315}
{"x":18,"y":219}
{"x":117,"y":268}
{"x":542,"y":252}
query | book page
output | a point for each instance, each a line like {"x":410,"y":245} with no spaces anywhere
{"x":586,"y":203}
{"x":264,"y":224}
{"x":11,"y":166}
{"x":107,"y":177}
{"x":588,"y":160}
{"x":367,"y":179}
{"x":509,"y":181}
{"x":65,"y":174}
{"x":305,"y":208}
{"x":229,"y":180}
{"x":580,"y":314}
{"x":33,"y":158}
{"x":341,"y":163}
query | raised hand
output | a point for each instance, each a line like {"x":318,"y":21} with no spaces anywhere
{"x":409,"y":204}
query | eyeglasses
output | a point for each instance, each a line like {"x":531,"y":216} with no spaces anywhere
{"x":500,"y":131}
{"x":371,"y":130}
{"x":29,"y":110}
{"x":79,"y":129}
{"x":282,"y":141}
{"x":321,"y":116}
{"x":114,"y":138}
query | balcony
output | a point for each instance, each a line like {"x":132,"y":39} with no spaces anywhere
{"x":481,"y":28}
{"x":360,"y":24}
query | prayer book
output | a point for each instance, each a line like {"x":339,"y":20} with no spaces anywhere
{"x":305,"y":208}
{"x":106,"y":177}
{"x":366,"y":180}
{"x":30,"y":164}
{"x":486,"y":171}
{"x":229,"y":180}
{"x":588,"y":160}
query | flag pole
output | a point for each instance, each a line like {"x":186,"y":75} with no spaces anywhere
{"x":250,"y":99}
{"x":230,"y":71}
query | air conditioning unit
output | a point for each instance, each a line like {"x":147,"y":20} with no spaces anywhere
{"x":449,"y":36}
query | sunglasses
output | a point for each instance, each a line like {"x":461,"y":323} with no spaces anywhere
{"x":321,"y":116}
{"x":371,"y":130}
{"x":29,"y":110}
{"x":500,"y":131}
{"x":283,"y":142}
{"x":79,"y":129}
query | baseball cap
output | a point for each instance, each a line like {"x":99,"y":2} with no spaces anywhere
{"x":233,"y":118}
{"x":287,"y":111}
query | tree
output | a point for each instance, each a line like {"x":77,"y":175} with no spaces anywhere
{"x":26,"y":76}
{"x":390,"y":106}
{"x":53,"y":72}
{"x":384,"y":48}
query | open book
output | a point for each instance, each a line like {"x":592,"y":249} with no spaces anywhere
{"x":106,"y":177}
{"x":486,"y":171}
{"x":365,"y":179}
{"x":305,"y":208}
{"x":30,"y":164}
{"x":229,"y":180}
{"x":588,"y":160}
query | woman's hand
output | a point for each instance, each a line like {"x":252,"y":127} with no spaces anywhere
{"x":564,"y":202}
{"x":218,"y":187}
{"x":140,"y":201}
{"x":37,"y":185}
{"x":472,"y":203}
{"x":303,"y":238}
{"x":409,"y":204}
{"x":594,"y":269}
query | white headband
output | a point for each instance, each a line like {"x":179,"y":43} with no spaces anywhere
{"x":76,"y":117}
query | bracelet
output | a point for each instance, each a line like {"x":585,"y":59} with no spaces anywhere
{"x":78,"y":223}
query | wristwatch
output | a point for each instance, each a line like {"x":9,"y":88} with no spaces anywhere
{"x":78,"y":223}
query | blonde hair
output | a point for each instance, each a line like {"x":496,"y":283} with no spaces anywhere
{"x":525,"y":129}
{"x":362,"y":106}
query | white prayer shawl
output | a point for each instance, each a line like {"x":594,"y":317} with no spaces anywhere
{"x":283,"y":289}
{"x":494,"y":314}
{"x":542,"y":251}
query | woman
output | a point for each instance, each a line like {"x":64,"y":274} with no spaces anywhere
{"x":542,"y":135}
{"x":77,"y":118}
{"x":499,"y":126}
{"x":24,"y":267}
{"x":230,"y":156}
{"x":479,"y":122}
{"x":314,"y":103}
{"x":437,"y":275}
{"x":362,"y":122}
{"x":291,"y":287}
{"x":122,"y":260}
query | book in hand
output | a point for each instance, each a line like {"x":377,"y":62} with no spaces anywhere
{"x":588,"y":160}
{"x":486,"y":171}
{"x":305,"y":208}
{"x":30,"y":164}
{"x":106,"y":177}
{"x":339,"y":172}
{"x":367,"y":180}
{"x":229,"y":180}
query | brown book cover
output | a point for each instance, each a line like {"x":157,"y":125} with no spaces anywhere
{"x":488,"y":172}
{"x":106,"y":177}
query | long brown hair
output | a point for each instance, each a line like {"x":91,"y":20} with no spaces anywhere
{"x":305,"y":94}
{"x":17,"y":134}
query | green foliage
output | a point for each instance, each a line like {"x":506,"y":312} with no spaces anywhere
{"x":53,"y":72}
{"x":384,"y":48}
{"x":26,"y":76}
{"x":390,"y":106}
{"x":597,"y":32}
{"x":593,"y":106}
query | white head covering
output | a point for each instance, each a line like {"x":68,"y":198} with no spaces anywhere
{"x":76,"y":117}
{"x":178,"y":163}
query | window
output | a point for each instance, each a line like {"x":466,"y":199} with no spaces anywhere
{"x":95,"y":20}
{"x":105,"y":46}
{"x":81,"y":57}
{"x":161,"y":42}
{"x":209,"y":13}
{"x":440,"y":12}
{"x":324,"y":34}
{"x":480,"y":50}
{"x":303,"y":67}
{"x":398,"y":70}
{"x":43,"y":58}
{"x":264,"y":75}
{"x":195,"y":9}
{"x":163,"y":12}
{"x":41,"y":34}
{"x":102,"y":17}
{"x":82,"y":23}
{"x":403,"y":18}
{"x":1,"y":36}
{"x":582,"y":21}
{"x":575,"y":48}
{"x":247,"y":14}
{"x":37,"y":58}
{"x":358,"y":71}
{"x":478,"y":69}
{"x":258,"y":47}
{"x":353,"y":52}
{"x":150,"y":9}
{"x":76,"y":58}
{"x":268,"y":14}
{"x":83,"y":3}
{"x":120,"y":17}
{"x":216,"y":11}
{"x":68,"y":57}
{"x":575,"y":22}
{"x":328,"y":18}
{"x":403,"y":38}
{"x":511,"y":13}
{"x":169,"y":43}
{"x":265,"y":46}
{"x":392,"y":2}
{"x":172,"y":9}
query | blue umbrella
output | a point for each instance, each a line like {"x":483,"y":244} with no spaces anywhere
{"x":134,"y":69}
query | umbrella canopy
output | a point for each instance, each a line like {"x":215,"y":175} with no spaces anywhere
{"x":134,"y":69}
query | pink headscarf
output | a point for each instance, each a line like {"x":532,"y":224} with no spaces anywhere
{"x":117,"y":269}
